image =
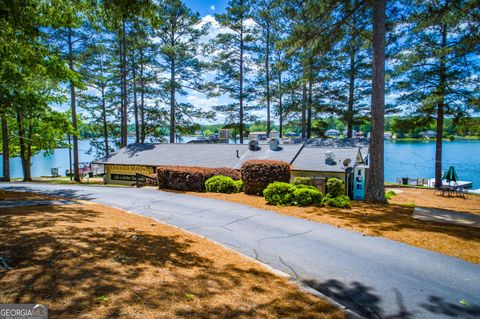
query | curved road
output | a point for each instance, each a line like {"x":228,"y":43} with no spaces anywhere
{"x":373,"y":276}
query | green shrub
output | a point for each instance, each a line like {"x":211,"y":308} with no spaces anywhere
{"x":279,"y":193}
{"x":307,"y":186}
{"x":307,"y":196}
{"x":335,"y":187}
{"x":390,"y":194}
{"x":339,"y":201}
{"x":258,"y":174}
{"x":239,"y":186}
{"x":299,"y":180}
{"x":221,"y":184}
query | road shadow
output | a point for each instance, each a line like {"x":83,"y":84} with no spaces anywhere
{"x":65,"y":193}
{"x":440,"y":306}
{"x":363,"y":300}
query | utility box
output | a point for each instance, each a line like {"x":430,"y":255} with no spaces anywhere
{"x":359,"y":184}
{"x":320,"y":183}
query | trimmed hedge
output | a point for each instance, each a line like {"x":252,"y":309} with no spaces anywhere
{"x":258,"y":174}
{"x":335,"y":187}
{"x":190,"y":178}
{"x":339,"y":201}
{"x":279,"y":193}
{"x":299,"y":180}
{"x":307,"y":196}
{"x":285,"y":194}
{"x":223,"y":184}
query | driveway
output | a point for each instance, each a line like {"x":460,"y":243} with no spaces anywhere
{"x":373,"y":276}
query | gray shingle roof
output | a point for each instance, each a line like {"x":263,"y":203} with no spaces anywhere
{"x":314,"y":159}
{"x":206,"y":155}
{"x":285,"y":153}
{"x":225,"y":155}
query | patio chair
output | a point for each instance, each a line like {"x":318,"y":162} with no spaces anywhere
{"x":462,"y":191}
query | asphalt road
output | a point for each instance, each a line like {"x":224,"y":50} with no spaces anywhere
{"x":375,"y":277}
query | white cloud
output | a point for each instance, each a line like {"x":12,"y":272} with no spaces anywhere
{"x":212,"y":7}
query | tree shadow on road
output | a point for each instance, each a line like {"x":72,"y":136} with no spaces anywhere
{"x":363,"y":300}
{"x":64,"y":193}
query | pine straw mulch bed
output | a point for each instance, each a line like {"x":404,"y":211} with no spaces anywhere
{"x":93,"y":261}
{"x":393,"y":221}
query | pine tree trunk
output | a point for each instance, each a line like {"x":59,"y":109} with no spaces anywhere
{"x":375,"y":181}
{"x":304,"y":107}
{"x":440,"y":110}
{"x":6,"y":150}
{"x":124,"y":84}
{"x":27,"y":177}
{"x":267,"y":71}
{"x":309,"y":108}
{"x":172,"y":101}
{"x":351,"y":73}
{"x":76,"y":169}
{"x":241,"y":82}
{"x":351,"y":91}
{"x":28,"y":159}
{"x":120,"y":50}
{"x":280,"y":106}
{"x":135,"y":104}
{"x":105,"y":126}
{"x":142,"y":99}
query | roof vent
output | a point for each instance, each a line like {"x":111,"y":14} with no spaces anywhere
{"x":330,"y":158}
{"x":274,"y":144}
{"x":253,"y":145}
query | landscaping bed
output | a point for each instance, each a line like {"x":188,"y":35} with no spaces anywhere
{"x":93,"y":261}
{"x":427,"y":198}
{"x":392,"y":221}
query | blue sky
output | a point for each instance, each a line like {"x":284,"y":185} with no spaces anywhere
{"x":207,"y":7}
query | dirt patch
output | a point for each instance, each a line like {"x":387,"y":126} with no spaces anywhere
{"x":427,"y":198}
{"x":92,"y":261}
{"x":391,"y":221}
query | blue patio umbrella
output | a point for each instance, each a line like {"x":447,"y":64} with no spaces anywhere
{"x":451,"y":175}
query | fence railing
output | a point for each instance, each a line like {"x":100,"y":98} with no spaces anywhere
{"x":144,"y":180}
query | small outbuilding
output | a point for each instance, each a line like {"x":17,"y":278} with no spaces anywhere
{"x":332,"y":133}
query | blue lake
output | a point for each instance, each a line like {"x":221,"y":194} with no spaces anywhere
{"x":402,"y":159}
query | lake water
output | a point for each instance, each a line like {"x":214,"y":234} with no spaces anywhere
{"x":402,"y":159}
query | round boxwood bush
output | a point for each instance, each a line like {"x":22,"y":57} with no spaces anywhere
{"x":299,"y":180}
{"x":335,"y":187}
{"x":339,"y":201}
{"x":279,"y":193}
{"x":239,"y":186}
{"x":222,"y":184}
{"x":307,"y":186}
{"x":306,"y":196}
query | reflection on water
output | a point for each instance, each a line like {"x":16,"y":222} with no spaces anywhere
{"x":402,"y":159}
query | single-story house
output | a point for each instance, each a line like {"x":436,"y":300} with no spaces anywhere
{"x":258,"y":136}
{"x":428,"y":134}
{"x":322,"y":162}
{"x":332,"y":133}
{"x":225,"y":133}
